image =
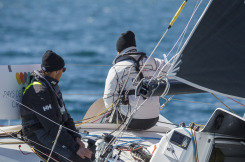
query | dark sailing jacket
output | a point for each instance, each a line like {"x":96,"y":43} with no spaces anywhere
{"x":43,"y":96}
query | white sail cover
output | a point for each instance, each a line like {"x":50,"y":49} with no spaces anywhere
{"x":213,"y":57}
{"x":14,"y":78}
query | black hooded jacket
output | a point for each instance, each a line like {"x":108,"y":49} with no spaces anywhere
{"x":45,"y":98}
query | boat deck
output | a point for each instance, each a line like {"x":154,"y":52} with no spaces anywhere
{"x":9,"y":146}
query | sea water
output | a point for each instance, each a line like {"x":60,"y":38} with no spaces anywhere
{"x":84,"y":33}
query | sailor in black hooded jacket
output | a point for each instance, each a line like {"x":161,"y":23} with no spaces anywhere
{"x":45,"y":110}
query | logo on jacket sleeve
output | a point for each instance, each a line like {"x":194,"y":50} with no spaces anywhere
{"x":47,"y":107}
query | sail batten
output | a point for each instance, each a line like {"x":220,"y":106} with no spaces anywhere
{"x":213,"y":58}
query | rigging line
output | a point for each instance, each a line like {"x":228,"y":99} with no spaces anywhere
{"x":235,"y":101}
{"x":137,"y":102}
{"x":184,"y":31}
{"x":126,"y":142}
{"x":181,"y":41}
{"x":12,"y":142}
{"x":45,"y":148}
{"x":125,"y":125}
{"x":112,"y":139}
{"x":159,"y":71}
{"x":119,"y":96}
{"x":165,"y":92}
{"x":126,"y":81}
{"x":124,"y":119}
{"x":184,"y":35}
{"x":55,"y":141}
{"x":95,"y":116}
{"x":101,"y":117}
{"x":39,"y":113}
{"x":120,"y":133}
{"x":194,"y":12}
{"x":28,"y":153}
{"x":77,"y":122}
{"x":167,"y":101}
{"x":129,"y":119}
{"x":178,"y":55}
{"x":223,"y":103}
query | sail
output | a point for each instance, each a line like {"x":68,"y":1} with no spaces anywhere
{"x":213,"y":57}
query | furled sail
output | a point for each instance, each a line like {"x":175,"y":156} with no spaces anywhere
{"x":213,"y":57}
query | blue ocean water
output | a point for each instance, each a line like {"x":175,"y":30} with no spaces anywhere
{"x":85,"y":34}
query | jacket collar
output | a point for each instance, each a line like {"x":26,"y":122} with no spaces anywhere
{"x":123,"y":52}
{"x":52,"y":81}
{"x":128,"y":50}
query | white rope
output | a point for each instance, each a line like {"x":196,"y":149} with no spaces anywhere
{"x":165,"y":92}
{"x":167,"y":101}
{"x":185,"y":29}
{"x":56,"y":139}
{"x":181,"y":36}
